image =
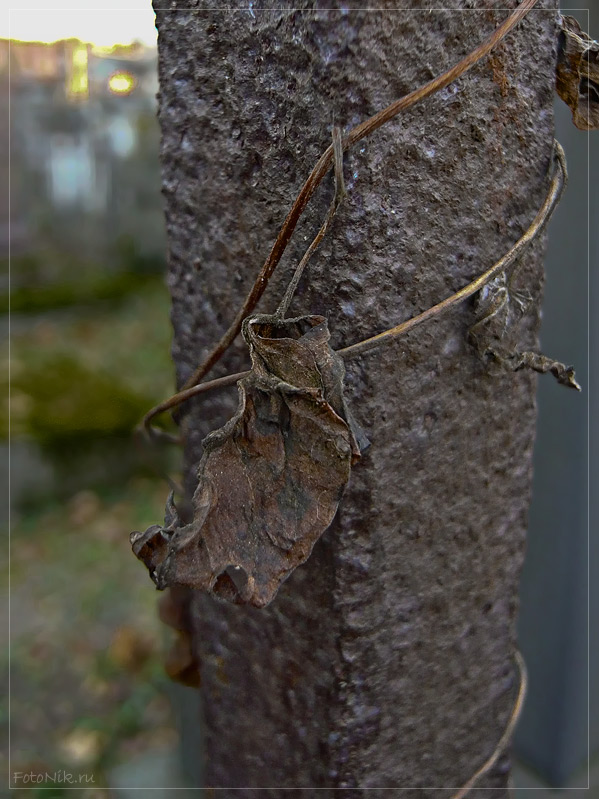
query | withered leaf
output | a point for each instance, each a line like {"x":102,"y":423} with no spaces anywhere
{"x":577,"y":75}
{"x":181,"y":665}
{"x":271,"y":478}
{"x":515,"y":361}
{"x":498,"y":311}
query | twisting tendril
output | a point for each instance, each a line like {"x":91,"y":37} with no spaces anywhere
{"x":331,"y":155}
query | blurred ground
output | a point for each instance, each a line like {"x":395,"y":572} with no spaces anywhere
{"x":88,"y":690}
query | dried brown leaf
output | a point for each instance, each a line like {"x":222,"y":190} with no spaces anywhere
{"x":577,"y":75}
{"x":181,"y":665}
{"x":271,"y":479}
{"x":498,"y":311}
{"x":515,"y":361}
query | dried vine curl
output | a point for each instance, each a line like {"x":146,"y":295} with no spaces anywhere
{"x":319,"y":171}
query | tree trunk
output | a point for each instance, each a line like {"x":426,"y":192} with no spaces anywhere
{"x":386,"y":661}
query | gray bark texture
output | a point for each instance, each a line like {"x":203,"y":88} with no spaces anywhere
{"x":386,"y":661}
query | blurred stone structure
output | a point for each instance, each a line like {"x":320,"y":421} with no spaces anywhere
{"x":83,"y":145}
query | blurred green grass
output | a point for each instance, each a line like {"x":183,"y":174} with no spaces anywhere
{"x":81,"y":380}
{"x":56,"y":278}
{"x":116,"y":356}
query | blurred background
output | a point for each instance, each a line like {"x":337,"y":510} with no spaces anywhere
{"x":90,"y":353}
{"x":89,"y":333}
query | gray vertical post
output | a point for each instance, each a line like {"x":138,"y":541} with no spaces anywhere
{"x":386,"y":660}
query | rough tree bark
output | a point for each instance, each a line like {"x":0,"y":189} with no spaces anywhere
{"x":386,"y":661}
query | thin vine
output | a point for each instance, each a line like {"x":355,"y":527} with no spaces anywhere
{"x":319,"y":171}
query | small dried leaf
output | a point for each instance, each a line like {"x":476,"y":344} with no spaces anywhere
{"x":498,"y":311}
{"x":271,"y":479}
{"x":493,"y":313}
{"x":181,"y":665}
{"x":172,"y":612}
{"x":577,"y":75}
{"x":538,"y":362}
